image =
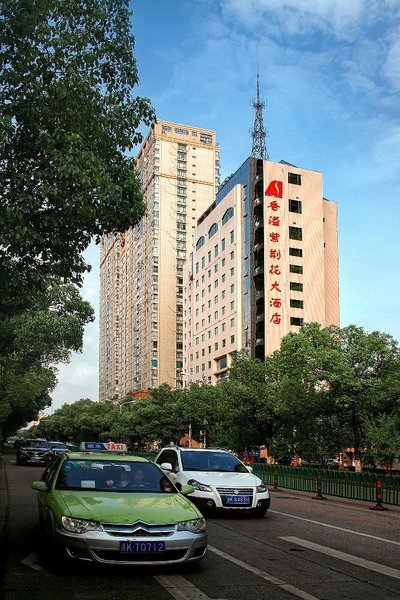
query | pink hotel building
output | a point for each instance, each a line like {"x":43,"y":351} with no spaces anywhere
{"x":264,"y":261}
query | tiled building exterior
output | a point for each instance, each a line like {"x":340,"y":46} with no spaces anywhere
{"x":264,"y":261}
{"x":141,"y":271}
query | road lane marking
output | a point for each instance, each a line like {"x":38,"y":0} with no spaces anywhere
{"x":180,"y":588}
{"x":350,"y":558}
{"x":32,"y":561}
{"x":367,"y":535}
{"x":290,"y":589}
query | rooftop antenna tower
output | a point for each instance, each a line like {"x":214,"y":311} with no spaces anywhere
{"x":258,"y":133}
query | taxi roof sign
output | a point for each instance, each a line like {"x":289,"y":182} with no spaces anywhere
{"x":103,"y":447}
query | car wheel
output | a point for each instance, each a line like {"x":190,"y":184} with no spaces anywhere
{"x":52,"y":550}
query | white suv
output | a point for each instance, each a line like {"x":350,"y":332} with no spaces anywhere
{"x":220,"y":479}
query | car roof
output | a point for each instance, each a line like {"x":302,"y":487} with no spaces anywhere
{"x":186,"y":449}
{"x":106,"y":456}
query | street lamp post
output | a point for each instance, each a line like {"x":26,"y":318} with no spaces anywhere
{"x":123,"y":403}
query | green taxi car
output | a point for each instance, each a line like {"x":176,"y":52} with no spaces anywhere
{"x":117,"y":509}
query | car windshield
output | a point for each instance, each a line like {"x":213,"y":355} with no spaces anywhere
{"x":113,"y":476}
{"x":58,"y":446}
{"x":36,"y":444}
{"x":212,"y":461}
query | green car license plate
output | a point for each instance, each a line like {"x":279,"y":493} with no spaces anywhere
{"x":141,"y":547}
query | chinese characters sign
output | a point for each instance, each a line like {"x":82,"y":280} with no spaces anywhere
{"x":273,"y":214}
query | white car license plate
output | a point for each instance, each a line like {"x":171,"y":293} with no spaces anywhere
{"x":141,"y":547}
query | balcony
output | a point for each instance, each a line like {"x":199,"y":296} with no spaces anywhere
{"x":258,"y":247}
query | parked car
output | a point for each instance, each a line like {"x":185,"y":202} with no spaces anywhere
{"x":33,"y":452}
{"x":113,"y":508}
{"x":221,"y":481}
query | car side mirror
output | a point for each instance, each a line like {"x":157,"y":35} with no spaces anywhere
{"x":39,"y":486}
{"x":250,"y":469}
{"x":186,"y":489}
{"x":166,"y":466}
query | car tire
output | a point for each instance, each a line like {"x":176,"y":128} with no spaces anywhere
{"x":52,"y":551}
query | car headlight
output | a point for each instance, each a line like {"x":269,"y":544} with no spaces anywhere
{"x":194,"y":526}
{"x":79,"y":525}
{"x":262,"y":488}
{"x":202,"y":487}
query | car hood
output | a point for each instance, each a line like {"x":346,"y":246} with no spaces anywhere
{"x":223,"y":479}
{"x":115,"y":507}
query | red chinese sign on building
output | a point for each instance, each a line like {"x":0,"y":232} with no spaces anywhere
{"x":274,"y":188}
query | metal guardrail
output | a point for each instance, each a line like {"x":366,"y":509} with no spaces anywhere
{"x":372,"y":487}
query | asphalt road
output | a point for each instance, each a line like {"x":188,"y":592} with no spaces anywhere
{"x":304,"y":548}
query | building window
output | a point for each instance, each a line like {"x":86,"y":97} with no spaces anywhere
{"x":213,"y":230}
{"x":223,"y":244}
{"x":295,"y":252}
{"x":296,"y":233}
{"x":297,"y":321}
{"x":205,"y":138}
{"x":296,"y":286}
{"x":232,"y":234}
{"x":295,"y":206}
{"x":227,"y":215}
{"x":221,"y":363}
{"x":200,"y":242}
{"x":216,"y":251}
{"x":294,"y":178}
{"x":296,"y":303}
{"x":296,"y":269}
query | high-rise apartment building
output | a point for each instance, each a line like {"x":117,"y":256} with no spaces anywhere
{"x":141,"y":271}
{"x":264,"y":261}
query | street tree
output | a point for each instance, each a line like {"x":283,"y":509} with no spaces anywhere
{"x":68,"y":117}
{"x":32,"y":344}
{"x":69,"y":121}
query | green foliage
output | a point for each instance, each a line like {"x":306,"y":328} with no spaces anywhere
{"x":67,"y":116}
{"x":31,"y":343}
{"x":68,"y":120}
{"x":302,"y":400}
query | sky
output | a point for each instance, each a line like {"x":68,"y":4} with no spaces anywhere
{"x":330,"y":77}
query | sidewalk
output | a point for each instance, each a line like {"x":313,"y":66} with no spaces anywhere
{"x":4,"y":517}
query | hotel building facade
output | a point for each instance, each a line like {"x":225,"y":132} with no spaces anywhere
{"x":264,"y":261}
{"x":141,"y":271}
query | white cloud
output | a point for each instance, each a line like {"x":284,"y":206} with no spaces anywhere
{"x":391,"y":68}
{"x":297,"y":17}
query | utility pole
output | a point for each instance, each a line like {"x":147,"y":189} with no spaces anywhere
{"x":258,"y":132}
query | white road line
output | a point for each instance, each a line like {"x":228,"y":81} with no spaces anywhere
{"x":32,"y":561}
{"x":354,"y":560}
{"x":180,"y":588}
{"x":290,"y":589}
{"x":367,"y":535}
